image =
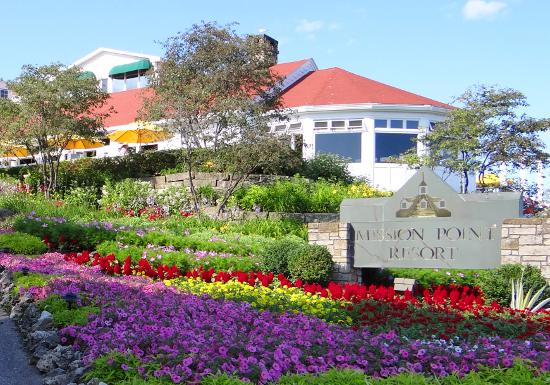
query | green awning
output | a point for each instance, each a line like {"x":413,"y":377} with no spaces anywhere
{"x":140,"y":65}
{"x":86,"y":75}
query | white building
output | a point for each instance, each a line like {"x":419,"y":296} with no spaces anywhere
{"x":333,"y":110}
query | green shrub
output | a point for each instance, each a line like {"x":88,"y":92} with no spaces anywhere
{"x":431,"y":277}
{"x":327,"y":166}
{"x":312,"y":263}
{"x":173,"y":199}
{"x":26,"y":281}
{"x":128,"y":194}
{"x":222,"y":379}
{"x":497,"y":285}
{"x":21,"y":243}
{"x":83,"y":196}
{"x":300,"y":195}
{"x":278,"y":252}
{"x":64,"y":315}
{"x":65,"y":235}
{"x":208,"y":195}
{"x":180,"y":259}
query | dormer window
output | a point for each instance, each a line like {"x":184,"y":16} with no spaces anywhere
{"x":403,"y":204}
{"x":423,"y":204}
{"x":423,"y":190}
{"x":441,"y":203}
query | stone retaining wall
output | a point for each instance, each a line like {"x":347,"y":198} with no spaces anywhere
{"x":527,"y":241}
{"x":336,"y":237}
{"x":216,"y":180}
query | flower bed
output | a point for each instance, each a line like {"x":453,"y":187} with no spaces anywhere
{"x":165,"y":333}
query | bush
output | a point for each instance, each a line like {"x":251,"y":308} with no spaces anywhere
{"x":127,"y":195}
{"x":301,"y":196}
{"x":22,"y":243}
{"x":497,"y":285}
{"x":65,"y":235}
{"x":173,"y":199}
{"x":83,"y":196}
{"x":277,"y":254}
{"x":63,"y":315}
{"x":327,"y":166}
{"x":430,"y":277}
{"x":26,"y":281}
{"x":312,"y":263}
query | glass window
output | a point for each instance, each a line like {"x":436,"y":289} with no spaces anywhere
{"x":396,"y":123}
{"x":380,"y":123}
{"x":412,"y":124}
{"x":321,"y":125}
{"x":355,"y":123}
{"x":388,"y":145}
{"x":143,"y":81}
{"x":118,"y":85}
{"x":132,"y":83}
{"x":346,"y":145}
{"x":338,"y":124}
{"x":432,"y":126}
{"x":104,"y":84}
{"x":280,"y":127}
{"x":4,"y":93}
{"x":295,"y":126}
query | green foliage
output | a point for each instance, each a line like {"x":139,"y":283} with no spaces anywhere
{"x":527,"y":299}
{"x":331,"y":377}
{"x":65,"y":235}
{"x":301,"y":196}
{"x":312,"y":263}
{"x":63,"y":315}
{"x":496,"y":284}
{"x":84,"y":196}
{"x":180,"y":259}
{"x":208,"y":195}
{"x":330,"y":167}
{"x":278,"y":252}
{"x":128,"y":194}
{"x":222,"y":379}
{"x":430,"y":277}
{"x":119,"y":368}
{"x":21,"y":243}
{"x":173,"y":199}
{"x":54,"y":104}
{"x":26,"y":281}
{"x":488,"y":130}
{"x":518,"y":374}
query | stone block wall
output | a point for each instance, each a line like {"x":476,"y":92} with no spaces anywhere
{"x":527,"y":241}
{"x":216,"y":180}
{"x":336,"y":237}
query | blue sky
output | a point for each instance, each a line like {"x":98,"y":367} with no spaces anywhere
{"x":436,"y":48}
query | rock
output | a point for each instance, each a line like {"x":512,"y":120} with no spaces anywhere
{"x":48,"y":339}
{"x":60,"y":379}
{"x":93,"y":381}
{"x":39,"y":352}
{"x":102,"y":383}
{"x":45,"y":321}
{"x":46,"y":363}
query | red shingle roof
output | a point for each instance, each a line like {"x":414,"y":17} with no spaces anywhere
{"x":337,"y":86}
{"x":321,"y":87}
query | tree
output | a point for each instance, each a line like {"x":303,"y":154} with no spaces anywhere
{"x":53,"y":104}
{"x":488,"y":130}
{"x":214,"y":89}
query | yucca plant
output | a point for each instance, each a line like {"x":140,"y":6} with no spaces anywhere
{"x":526,"y":301}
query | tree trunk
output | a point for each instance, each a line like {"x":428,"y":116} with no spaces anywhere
{"x":228,"y":193}
{"x":189,"y":159}
{"x":466,"y":181}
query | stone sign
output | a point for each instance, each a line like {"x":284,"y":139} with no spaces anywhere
{"x":427,"y":224}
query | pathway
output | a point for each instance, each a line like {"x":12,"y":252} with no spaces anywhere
{"x":14,"y":362}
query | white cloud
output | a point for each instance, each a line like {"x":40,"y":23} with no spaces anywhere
{"x":310,"y":26}
{"x":482,"y":9}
